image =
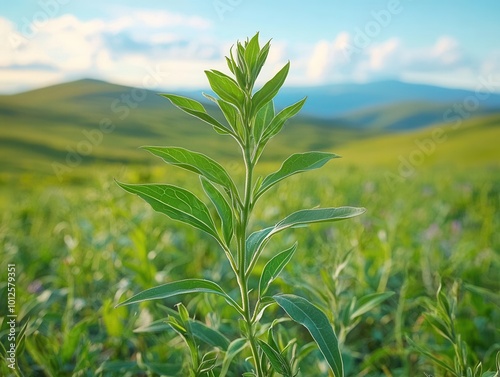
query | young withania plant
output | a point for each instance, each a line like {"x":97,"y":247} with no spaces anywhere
{"x":251,"y":120}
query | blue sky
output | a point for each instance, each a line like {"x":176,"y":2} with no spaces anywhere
{"x":448,"y":43}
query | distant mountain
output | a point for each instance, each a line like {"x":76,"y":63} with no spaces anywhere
{"x":359,"y":102}
{"x":340,"y":100}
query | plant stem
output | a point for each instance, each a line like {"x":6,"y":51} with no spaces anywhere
{"x":242,"y":278}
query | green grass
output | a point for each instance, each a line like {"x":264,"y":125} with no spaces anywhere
{"x":76,"y":245}
{"x":472,"y":144}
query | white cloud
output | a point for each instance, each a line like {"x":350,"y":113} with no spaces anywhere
{"x":491,"y":64}
{"x":446,"y":50}
{"x":444,"y":54}
{"x":117,"y":49}
{"x":381,"y":55}
{"x":14,"y":80}
{"x":124,"y":48}
{"x":328,"y":59}
{"x":340,"y":60}
{"x":320,"y":60}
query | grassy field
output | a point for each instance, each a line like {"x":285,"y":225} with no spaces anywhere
{"x":81,"y":245}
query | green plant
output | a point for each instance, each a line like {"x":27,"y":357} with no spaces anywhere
{"x":251,"y":120}
{"x":441,"y":316}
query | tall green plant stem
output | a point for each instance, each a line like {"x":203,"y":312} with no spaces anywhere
{"x":242,"y":277}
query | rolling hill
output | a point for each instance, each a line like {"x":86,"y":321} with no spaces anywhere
{"x":340,"y":101}
{"x":469,"y":144}
{"x":66,"y":126}
{"x":93,"y":121}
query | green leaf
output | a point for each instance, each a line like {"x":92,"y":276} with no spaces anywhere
{"x":222,"y":207}
{"x":183,"y":312}
{"x":230,"y":64}
{"x":235,"y":347}
{"x":198,"y":329}
{"x":240,"y":56}
{"x":262,"y":120}
{"x":318,"y":215}
{"x":238,"y":73}
{"x":270,"y":89}
{"x":180,"y":287}
{"x":195,"y":162}
{"x":232,"y":116}
{"x":444,"y":304}
{"x":316,"y":322}
{"x":279,"y":120}
{"x":270,"y":334}
{"x":209,"y":335}
{"x":207,"y":364}
{"x":294,"y":164}
{"x":278,"y":362}
{"x":430,"y":354}
{"x":225,"y":87}
{"x":257,"y":239}
{"x":72,"y":338}
{"x":231,"y":113}
{"x":122,"y":367}
{"x":175,"y":202}
{"x":441,"y":327}
{"x":274,"y":267}
{"x":264,"y":52}
{"x":484,"y":292}
{"x":153,"y":327}
{"x":185,"y":103}
{"x":491,"y":374}
{"x":197,"y":110}
{"x":177,"y":326}
{"x":368,"y":302}
{"x":160,"y":369}
{"x":252,"y":53}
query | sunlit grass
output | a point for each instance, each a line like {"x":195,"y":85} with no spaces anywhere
{"x":75,"y":246}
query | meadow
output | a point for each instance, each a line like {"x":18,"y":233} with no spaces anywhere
{"x":411,"y":287}
{"x":83,"y":246}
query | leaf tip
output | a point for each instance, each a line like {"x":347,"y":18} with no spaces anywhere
{"x":120,"y":304}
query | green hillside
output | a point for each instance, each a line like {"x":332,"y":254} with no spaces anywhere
{"x":57,"y":129}
{"x":473,"y":143}
{"x":43,"y":127}
{"x":397,"y":116}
